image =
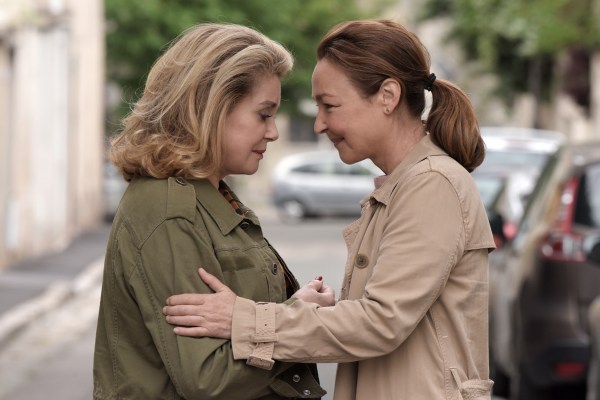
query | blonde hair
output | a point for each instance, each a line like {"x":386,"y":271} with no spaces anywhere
{"x":371,"y":51}
{"x":175,"y":129}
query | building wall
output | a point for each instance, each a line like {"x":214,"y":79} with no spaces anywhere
{"x":51,"y":107}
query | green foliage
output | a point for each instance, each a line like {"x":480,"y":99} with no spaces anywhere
{"x":137,"y":33}
{"x":510,"y":37}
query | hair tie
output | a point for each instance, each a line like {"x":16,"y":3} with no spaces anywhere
{"x":430,"y":80}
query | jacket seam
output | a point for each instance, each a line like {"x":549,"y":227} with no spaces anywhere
{"x":157,"y":315}
{"x":114,"y":313}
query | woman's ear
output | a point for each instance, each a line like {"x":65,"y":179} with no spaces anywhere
{"x":390,"y":92}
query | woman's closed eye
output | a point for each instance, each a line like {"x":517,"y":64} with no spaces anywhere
{"x":327,"y":106}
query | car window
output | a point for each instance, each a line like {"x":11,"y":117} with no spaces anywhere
{"x":333,"y":168}
{"x":538,"y":190}
{"x":587,"y":211}
{"x":514,"y":160}
{"x":317,"y":168}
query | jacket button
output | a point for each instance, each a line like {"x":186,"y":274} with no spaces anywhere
{"x":296,"y":378}
{"x":306,"y":392}
{"x":274,"y":269}
{"x":361,"y":261}
{"x":181,"y":181}
{"x":244,"y":225}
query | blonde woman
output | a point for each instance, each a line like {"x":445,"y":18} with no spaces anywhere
{"x":207,"y":111}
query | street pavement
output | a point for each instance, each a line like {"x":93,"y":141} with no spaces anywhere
{"x":46,"y":304}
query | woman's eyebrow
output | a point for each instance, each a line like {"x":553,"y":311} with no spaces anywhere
{"x":319,"y":97}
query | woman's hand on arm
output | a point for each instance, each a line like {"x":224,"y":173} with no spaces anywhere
{"x":200,"y":315}
{"x":211,"y":315}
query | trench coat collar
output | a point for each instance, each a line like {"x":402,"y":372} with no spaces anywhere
{"x":422,"y":150}
{"x":219,"y":208}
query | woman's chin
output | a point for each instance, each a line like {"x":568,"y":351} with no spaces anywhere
{"x":348,"y":157}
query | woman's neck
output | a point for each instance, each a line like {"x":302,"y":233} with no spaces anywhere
{"x":400,"y":143}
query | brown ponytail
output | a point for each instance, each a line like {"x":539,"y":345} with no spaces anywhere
{"x":453,"y":125}
{"x":370,"y":51}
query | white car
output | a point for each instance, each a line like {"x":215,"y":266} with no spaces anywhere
{"x":314,"y":184}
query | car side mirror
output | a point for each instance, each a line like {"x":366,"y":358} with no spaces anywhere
{"x":591,"y":247}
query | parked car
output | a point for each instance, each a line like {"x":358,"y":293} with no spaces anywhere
{"x":540,"y":295}
{"x":314,"y":184}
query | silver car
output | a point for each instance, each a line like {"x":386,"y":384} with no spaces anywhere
{"x":315,"y":184}
{"x":512,"y":149}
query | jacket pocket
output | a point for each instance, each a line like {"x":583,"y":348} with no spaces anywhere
{"x":473,"y":389}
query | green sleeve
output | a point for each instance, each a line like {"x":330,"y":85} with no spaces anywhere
{"x":200,"y":368}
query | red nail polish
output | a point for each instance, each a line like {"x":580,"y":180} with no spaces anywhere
{"x":319,"y":278}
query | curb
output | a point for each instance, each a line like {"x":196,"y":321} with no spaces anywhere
{"x":52,"y":298}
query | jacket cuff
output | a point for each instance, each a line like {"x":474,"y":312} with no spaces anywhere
{"x":252,"y":339}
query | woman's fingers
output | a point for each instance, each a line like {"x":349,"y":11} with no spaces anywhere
{"x":212,"y":281}
{"x":315,"y":284}
{"x":186,"y":298}
{"x":195,"y":298}
{"x":186,"y":320}
{"x":192,"y":332}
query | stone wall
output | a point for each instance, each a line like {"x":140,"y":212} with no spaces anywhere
{"x":51,"y":131}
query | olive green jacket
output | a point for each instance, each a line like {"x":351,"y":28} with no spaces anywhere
{"x":163,"y":231}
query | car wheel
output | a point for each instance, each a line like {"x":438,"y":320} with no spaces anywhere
{"x":292,"y":211}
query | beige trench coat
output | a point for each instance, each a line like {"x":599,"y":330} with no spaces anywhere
{"x":412,"y":319}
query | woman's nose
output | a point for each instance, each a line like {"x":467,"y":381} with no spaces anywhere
{"x":272,"y":133}
{"x":319,"y":126}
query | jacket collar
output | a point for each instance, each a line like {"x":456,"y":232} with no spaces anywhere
{"x":219,"y":208}
{"x":386,"y":184}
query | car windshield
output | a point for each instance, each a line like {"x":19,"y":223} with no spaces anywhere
{"x":514,"y":160}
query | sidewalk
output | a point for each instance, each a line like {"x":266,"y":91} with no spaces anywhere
{"x":33,"y":287}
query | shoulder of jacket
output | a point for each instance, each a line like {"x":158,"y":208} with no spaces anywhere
{"x":436,"y":163}
{"x":148,"y":202}
{"x":181,"y":199}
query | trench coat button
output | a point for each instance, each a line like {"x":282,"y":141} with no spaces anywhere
{"x":181,"y":181}
{"x":296,"y":378}
{"x":274,"y":269}
{"x":361,"y":261}
{"x":245,"y":225}
{"x":306,"y":392}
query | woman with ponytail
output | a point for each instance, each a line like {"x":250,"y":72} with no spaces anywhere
{"x":411,"y":319}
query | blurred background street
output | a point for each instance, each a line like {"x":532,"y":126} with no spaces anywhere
{"x":70,"y":69}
